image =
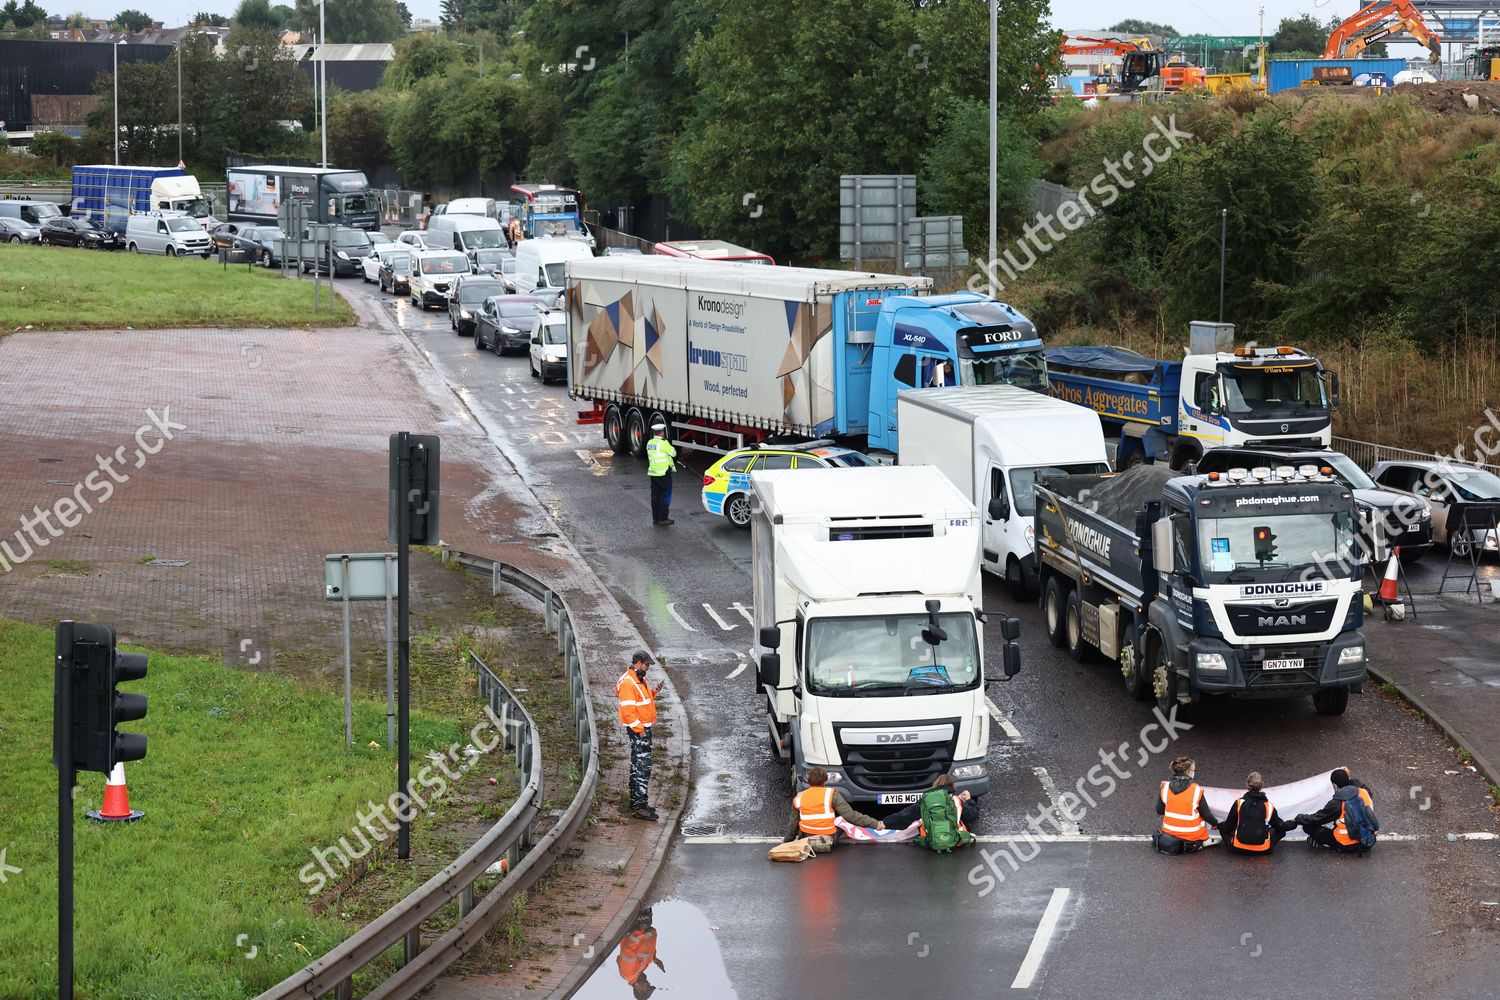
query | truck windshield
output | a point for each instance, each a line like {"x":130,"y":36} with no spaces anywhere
{"x":1240,"y":549}
{"x":1351,"y":475}
{"x":196,"y":207}
{"x":1023,"y":482}
{"x":878,"y":655}
{"x":1272,"y":389}
{"x":1026,"y":371}
{"x":357,"y":203}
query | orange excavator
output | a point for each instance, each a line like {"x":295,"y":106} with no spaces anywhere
{"x":1377,"y":21}
{"x":1139,"y":62}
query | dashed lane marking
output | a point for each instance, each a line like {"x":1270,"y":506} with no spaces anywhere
{"x":736,"y":671}
{"x":1067,"y":826}
{"x":672,"y":610}
{"x":1026,"y":975}
{"x":1003,"y":722}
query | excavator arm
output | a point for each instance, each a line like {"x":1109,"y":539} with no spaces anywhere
{"x":1376,"y":21}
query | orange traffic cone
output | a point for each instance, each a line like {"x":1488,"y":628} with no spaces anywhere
{"x":116,"y":801}
{"x":1388,"y":593}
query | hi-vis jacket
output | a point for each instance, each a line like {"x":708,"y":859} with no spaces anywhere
{"x":1184,"y":813}
{"x":637,"y":704}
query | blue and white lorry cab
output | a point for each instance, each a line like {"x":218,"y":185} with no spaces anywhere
{"x":1174,"y":411}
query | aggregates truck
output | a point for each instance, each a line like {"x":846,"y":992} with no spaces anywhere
{"x":870,"y":635}
{"x":1217,"y":395}
{"x":1244,"y":583}
{"x":731,"y":354}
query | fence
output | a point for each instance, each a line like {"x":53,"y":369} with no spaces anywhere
{"x":1367,"y":453}
{"x":614,"y":238}
{"x":510,"y":838}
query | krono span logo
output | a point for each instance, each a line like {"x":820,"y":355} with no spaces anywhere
{"x":724,"y":307}
{"x":1089,"y":538}
{"x":727,"y":360}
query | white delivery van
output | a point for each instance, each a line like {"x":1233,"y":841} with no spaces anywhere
{"x":173,"y":234}
{"x":472,"y":206}
{"x":542,"y":263}
{"x":994,"y":442}
{"x":464,"y":233}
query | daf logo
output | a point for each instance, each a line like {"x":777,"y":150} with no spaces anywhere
{"x":1285,"y":428}
{"x":897,"y":737}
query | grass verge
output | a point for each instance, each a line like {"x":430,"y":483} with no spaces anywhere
{"x":64,"y":288}
{"x":246,"y":774}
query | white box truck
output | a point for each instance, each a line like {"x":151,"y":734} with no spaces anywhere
{"x":870,"y":635}
{"x":994,"y":442}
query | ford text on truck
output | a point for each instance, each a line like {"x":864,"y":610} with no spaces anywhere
{"x":109,"y":195}
{"x":994,"y":443}
{"x":1244,"y":583}
{"x":1174,"y":411}
{"x":731,"y":354}
{"x":871,"y":647}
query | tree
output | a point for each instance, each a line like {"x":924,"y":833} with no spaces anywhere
{"x":357,"y":129}
{"x":1133,"y":27}
{"x":352,"y":21}
{"x":132,"y":20}
{"x":259,"y":14}
{"x":952,"y":179}
{"x":23,"y":16}
{"x":203,"y":17}
{"x":1299,"y":34}
{"x":405,"y":13}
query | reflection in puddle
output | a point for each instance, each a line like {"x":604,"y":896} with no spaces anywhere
{"x":670,"y":946}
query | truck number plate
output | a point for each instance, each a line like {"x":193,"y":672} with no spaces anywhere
{"x":900,"y":798}
{"x":1413,"y":527}
{"x":1295,"y":664}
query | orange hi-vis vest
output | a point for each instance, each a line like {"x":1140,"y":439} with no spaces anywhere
{"x":1181,"y":818}
{"x":1340,"y":831}
{"x":1265,"y":845}
{"x":637,"y":952}
{"x":815,"y":811}
{"x":637,"y":706}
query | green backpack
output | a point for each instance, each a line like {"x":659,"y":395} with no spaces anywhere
{"x":940,"y":830}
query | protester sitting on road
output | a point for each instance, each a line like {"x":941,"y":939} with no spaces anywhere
{"x":814,"y":809}
{"x":1253,"y":825}
{"x":1352,"y":812}
{"x":962,"y":801}
{"x":1185,"y":815}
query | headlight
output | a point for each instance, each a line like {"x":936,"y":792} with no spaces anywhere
{"x":509,"y":329}
{"x":1351,"y":654}
{"x":835,"y":777}
{"x":970,"y":771}
{"x":465,"y":314}
{"x":1212,"y":662}
{"x":341,"y":255}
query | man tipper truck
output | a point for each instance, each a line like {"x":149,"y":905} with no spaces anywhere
{"x":1244,"y":584}
{"x":731,"y":354}
{"x":870,"y":634}
{"x":109,"y":195}
{"x":1176,"y":410}
{"x":994,"y":443}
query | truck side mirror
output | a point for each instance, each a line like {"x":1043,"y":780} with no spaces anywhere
{"x":1333,"y":387}
{"x":1012,"y":656}
{"x":1010,"y":629}
{"x":770,"y":637}
{"x":770,"y":670}
{"x":1161,"y":545}
{"x":999,"y":508}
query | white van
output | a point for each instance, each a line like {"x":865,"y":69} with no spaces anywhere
{"x":464,"y":233}
{"x":542,"y":263}
{"x":472,"y":206}
{"x":994,"y":442}
{"x":175,"y":235}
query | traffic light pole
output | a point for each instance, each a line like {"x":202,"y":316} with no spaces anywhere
{"x":403,"y":646}
{"x":66,"y":777}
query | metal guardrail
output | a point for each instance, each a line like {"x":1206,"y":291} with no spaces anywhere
{"x":1367,"y":453}
{"x":510,"y":838}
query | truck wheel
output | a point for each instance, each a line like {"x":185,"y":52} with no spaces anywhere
{"x":1136,"y":457}
{"x":1331,"y":701}
{"x":614,"y":423}
{"x":1078,"y":646}
{"x":1015,"y":579}
{"x":1136,"y":683}
{"x":1185,"y":456}
{"x":737,"y":510}
{"x":635,"y":433}
{"x":1054,"y":600}
{"x":1164,"y":680}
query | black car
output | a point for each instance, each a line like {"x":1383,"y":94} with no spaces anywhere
{"x":64,"y":232}
{"x":1402,"y":520}
{"x":395,"y":273}
{"x":262,"y":241}
{"x":342,"y":260}
{"x":504,"y":323}
{"x":466,"y":296}
{"x":16,"y":231}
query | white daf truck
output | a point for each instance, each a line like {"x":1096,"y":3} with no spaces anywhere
{"x":867,"y":594}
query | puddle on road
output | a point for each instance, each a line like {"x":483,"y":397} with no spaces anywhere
{"x":669,"y":947}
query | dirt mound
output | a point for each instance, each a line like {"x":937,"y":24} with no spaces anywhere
{"x":1458,"y":97}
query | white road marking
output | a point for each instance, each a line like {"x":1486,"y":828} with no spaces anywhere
{"x":1067,"y":825}
{"x":726,"y":626}
{"x":1026,"y":975}
{"x":1003,"y":722}
{"x":736,"y":671}
{"x":1072,"y":838}
{"x":672,"y":610}
{"x":744,"y":612}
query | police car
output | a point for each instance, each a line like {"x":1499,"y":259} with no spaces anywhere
{"x":726,"y":484}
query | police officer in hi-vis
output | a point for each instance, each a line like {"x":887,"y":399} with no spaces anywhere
{"x":660,"y":456}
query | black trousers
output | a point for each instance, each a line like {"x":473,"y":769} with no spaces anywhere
{"x":661,"y":496}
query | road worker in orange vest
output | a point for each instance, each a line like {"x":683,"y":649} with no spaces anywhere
{"x":638,"y":954}
{"x":638,"y":715}
{"x":1340,"y":837}
{"x":814,"y":809}
{"x":1185,"y":816}
{"x":1253,"y":826}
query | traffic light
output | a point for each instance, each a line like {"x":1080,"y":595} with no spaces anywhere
{"x":1265,"y":544}
{"x":89,"y":667}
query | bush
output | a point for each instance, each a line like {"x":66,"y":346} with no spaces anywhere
{"x":58,"y":148}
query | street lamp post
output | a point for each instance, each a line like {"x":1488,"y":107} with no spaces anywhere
{"x":994,"y":128}
{"x":323,"y":77}
{"x":115,"y":50}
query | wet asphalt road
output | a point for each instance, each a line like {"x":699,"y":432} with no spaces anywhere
{"x":1409,"y":920}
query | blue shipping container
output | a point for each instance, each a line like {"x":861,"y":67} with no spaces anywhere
{"x":1288,"y":74}
{"x":109,"y":194}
